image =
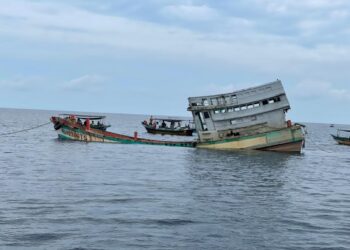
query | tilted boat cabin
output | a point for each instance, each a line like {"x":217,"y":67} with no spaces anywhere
{"x":246,"y":112}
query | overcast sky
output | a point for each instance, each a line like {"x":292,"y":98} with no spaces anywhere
{"x":147,"y":57}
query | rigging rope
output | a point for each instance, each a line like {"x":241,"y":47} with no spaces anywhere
{"x":24,"y":130}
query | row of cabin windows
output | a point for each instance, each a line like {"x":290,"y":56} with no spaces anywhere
{"x":229,"y":99}
{"x":222,"y":100}
{"x":248,"y":106}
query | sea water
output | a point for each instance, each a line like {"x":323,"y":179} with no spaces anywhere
{"x":75,"y":195}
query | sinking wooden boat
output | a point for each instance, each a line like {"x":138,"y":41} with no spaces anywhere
{"x":168,"y":126}
{"x":252,"y":118}
{"x":68,"y":127}
{"x":341,"y":138}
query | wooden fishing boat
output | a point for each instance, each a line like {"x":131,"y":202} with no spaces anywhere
{"x":340,"y":138}
{"x":168,"y":126}
{"x":68,"y":127}
{"x":253,"y":118}
{"x":96,"y":121}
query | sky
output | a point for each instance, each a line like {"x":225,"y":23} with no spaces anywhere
{"x":149,"y":56}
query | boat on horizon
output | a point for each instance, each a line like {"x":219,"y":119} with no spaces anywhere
{"x":340,"y":138}
{"x":169,"y":126}
{"x":253,"y":118}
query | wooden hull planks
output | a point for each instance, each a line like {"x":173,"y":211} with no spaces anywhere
{"x":282,"y":140}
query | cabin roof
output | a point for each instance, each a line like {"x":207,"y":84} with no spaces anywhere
{"x":91,"y":117}
{"x":170,"y":119}
{"x":274,"y":83}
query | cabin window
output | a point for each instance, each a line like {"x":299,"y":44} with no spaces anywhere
{"x":223,"y":110}
{"x":206,"y":115}
{"x":230,"y":110}
{"x":194,"y":104}
{"x":265,"y":102}
{"x":271,"y":101}
{"x":227,"y":99}
{"x":205,"y":102}
{"x":214,"y":101}
{"x":233,"y":122}
{"x":221,"y":100}
{"x":234,"y":98}
{"x":237,"y":109}
{"x":250,"y":106}
{"x":216,"y":111}
{"x":277,"y":99}
{"x":243,"y":107}
{"x":256,"y":105}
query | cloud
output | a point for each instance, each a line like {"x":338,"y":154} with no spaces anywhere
{"x":242,"y":43}
{"x":22,"y":83}
{"x":240,"y":47}
{"x":284,"y":6}
{"x":190,"y":12}
{"x":85,"y":83}
{"x":319,"y":89}
{"x":339,"y":14}
{"x":213,"y":88}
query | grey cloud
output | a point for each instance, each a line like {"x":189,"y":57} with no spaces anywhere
{"x":86,"y":83}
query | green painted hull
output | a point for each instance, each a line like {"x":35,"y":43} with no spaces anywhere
{"x":69,"y":133}
{"x":285,"y":140}
{"x":342,"y":140}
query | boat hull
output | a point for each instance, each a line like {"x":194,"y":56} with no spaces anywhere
{"x":342,"y":140}
{"x":70,"y":131}
{"x":67,"y":133}
{"x":282,"y":140}
{"x":289,"y":140}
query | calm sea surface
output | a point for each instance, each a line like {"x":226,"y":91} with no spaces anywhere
{"x":74,"y":195}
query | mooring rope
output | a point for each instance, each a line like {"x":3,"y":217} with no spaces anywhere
{"x":24,"y":130}
{"x":316,"y":145}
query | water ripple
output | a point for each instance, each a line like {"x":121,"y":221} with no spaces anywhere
{"x":82,"y":196}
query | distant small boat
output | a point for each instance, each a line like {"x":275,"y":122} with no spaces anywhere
{"x":340,"y":138}
{"x":332,"y":125}
{"x":169,"y":126}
